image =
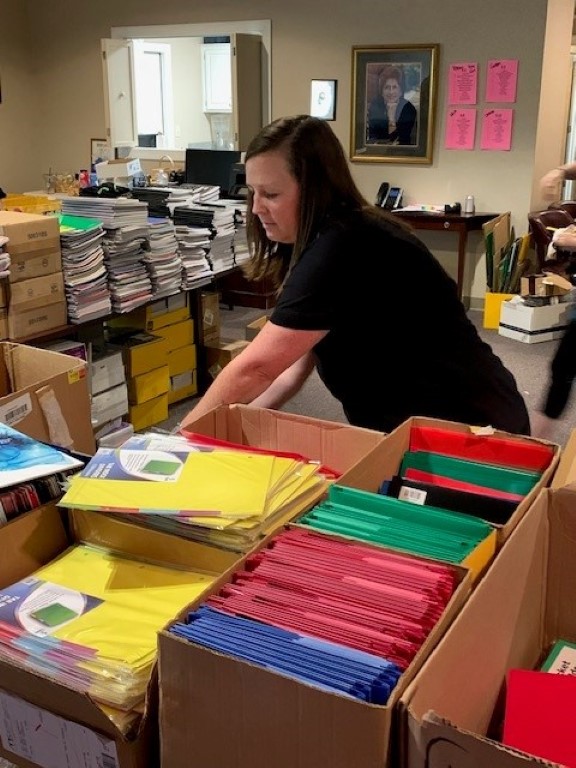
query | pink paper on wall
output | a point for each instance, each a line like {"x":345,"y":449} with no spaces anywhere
{"x":502,"y":80}
{"x":496,"y":129}
{"x":460,"y":129}
{"x":463,"y":83}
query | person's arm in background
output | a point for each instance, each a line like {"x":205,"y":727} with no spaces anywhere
{"x":551,"y":182}
{"x":246,"y":377}
{"x":287,"y":384}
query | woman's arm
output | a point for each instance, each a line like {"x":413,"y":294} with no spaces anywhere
{"x":246,"y":377}
{"x":287,"y":384}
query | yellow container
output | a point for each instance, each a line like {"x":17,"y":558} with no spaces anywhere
{"x":492,"y":304}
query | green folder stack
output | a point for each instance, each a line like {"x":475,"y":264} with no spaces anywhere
{"x":421,"y":530}
{"x":510,"y":480}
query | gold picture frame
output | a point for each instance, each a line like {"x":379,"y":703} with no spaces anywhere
{"x":393,"y":103}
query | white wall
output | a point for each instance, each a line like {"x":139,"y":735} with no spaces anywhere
{"x":309,"y":41}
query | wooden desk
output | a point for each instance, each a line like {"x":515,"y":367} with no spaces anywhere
{"x":462,"y":223}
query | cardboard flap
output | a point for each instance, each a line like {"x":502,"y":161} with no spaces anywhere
{"x":124,"y":536}
{"x":561,"y":575}
{"x":500,"y":626}
{"x":442,"y":746}
{"x":37,"y":536}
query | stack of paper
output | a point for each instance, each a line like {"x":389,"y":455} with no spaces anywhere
{"x":227,"y":497}
{"x":89,"y":619}
{"x":85,"y":277}
{"x":128,"y":277}
{"x":346,"y":595}
{"x":162,"y":257}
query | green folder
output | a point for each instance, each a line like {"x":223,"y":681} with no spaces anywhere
{"x":507,"y":479}
{"x":422,"y":530}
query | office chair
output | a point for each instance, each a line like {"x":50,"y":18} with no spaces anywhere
{"x":541,"y":225}
{"x":565,"y":205}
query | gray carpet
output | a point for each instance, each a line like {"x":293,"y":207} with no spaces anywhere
{"x":528,"y":362}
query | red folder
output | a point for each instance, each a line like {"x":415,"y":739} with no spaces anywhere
{"x":539,"y":716}
{"x":521,"y":453}
{"x":460,"y":485}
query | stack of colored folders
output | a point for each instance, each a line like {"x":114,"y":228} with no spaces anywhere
{"x":482,"y":475}
{"x":89,"y":619}
{"x":427,"y":531}
{"x":219,"y":494}
{"x":301,"y":603}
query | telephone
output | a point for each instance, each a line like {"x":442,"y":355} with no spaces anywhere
{"x":389,"y":197}
{"x":382,"y":193}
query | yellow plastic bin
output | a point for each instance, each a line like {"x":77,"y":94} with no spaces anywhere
{"x":492,"y":304}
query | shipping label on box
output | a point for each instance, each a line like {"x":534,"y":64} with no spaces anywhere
{"x":210,"y":308}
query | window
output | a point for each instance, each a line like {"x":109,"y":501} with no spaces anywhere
{"x":153,"y":82}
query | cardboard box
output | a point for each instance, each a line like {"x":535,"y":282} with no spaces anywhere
{"x":141,"y":351}
{"x":451,"y":713}
{"x":109,"y":404}
{"x":45,"y":395}
{"x":338,"y":446}
{"x":219,"y":353}
{"x":4,"y":293}
{"x":34,"y":244}
{"x":106,"y":370}
{"x":183,"y":385}
{"x":531,"y":325}
{"x":118,"y":169}
{"x":31,"y":541}
{"x":3,"y":323}
{"x":36,"y":305}
{"x":383,"y":462}
{"x":254,"y":328}
{"x":210,"y":309}
{"x":540,"y":285}
{"x":492,"y":306}
{"x":238,"y":714}
{"x":151,"y":317}
{"x":566,"y":471}
{"x":148,"y":385}
{"x":182,"y":359}
{"x":69,"y":347}
{"x":149,"y":413}
{"x":177,"y":335}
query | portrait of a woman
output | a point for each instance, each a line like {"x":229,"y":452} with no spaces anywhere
{"x":391,"y":118}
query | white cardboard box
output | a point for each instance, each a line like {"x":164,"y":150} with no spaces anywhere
{"x":106,"y":372}
{"x":109,"y":405}
{"x":533,"y":324}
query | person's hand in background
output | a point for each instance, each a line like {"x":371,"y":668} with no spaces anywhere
{"x":551,"y":184}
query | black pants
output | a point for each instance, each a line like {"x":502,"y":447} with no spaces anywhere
{"x":562,"y":374}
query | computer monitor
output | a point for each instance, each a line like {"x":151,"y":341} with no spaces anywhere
{"x":211,"y":166}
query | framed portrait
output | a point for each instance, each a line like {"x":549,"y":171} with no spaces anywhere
{"x":393,"y":103}
{"x":323,"y":99}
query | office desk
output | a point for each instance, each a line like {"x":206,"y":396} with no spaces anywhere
{"x":462,"y":223}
